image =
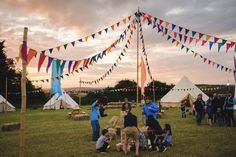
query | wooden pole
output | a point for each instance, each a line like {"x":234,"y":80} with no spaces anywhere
{"x":137,"y":59}
{"x":80,"y":92}
{"x":23,"y":99}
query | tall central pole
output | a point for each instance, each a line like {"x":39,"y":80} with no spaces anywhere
{"x":137,"y":58}
{"x":23,"y":94}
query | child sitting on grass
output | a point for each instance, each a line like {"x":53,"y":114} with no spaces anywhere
{"x":103,"y":142}
{"x":167,"y":141}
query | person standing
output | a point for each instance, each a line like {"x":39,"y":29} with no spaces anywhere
{"x":131,"y":131}
{"x":209,"y":109}
{"x":215,"y":102}
{"x":150,"y":108}
{"x":229,"y":107}
{"x":199,"y":107}
{"x":95,"y":115}
{"x":126,"y":106}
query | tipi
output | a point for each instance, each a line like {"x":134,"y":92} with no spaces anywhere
{"x":59,"y":102}
{"x":5,"y":105}
{"x":182,"y":90}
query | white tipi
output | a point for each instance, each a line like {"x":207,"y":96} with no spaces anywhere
{"x":5,"y":106}
{"x":184,"y":88}
{"x":58,"y":102}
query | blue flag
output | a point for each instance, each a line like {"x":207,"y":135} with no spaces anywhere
{"x":56,"y":79}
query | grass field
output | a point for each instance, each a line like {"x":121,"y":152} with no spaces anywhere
{"x":52,"y":134}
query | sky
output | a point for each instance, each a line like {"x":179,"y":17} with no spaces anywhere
{"x":56,"y":22}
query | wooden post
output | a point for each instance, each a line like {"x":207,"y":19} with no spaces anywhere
{"x":23,"y":98}
{"x":137,"y":59}
{"x":80,"y":92}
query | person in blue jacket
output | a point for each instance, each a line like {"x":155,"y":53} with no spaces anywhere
{"x":150,"y":108}
{"x":94,"y":116}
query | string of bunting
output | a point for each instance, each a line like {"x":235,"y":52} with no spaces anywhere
{"x":28,"y":92}
{"x":76,"y":63}
{"x":187,"y":34}
{"x":143,"y":47}
{"x":111,"y":69}
{"x":182,"y":46}
{"x":131,"y":27}
{"x":165,"y":89}
{"x":92,"y":36}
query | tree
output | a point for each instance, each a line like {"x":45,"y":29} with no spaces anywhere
{"x":162,"y":89}
{"x":13,"y":76}
{"x":126,"y":84}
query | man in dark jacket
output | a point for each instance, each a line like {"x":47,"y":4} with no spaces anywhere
{"x":199,"y":107}
{"x":215,"y":102}
{"x":229,"y":107}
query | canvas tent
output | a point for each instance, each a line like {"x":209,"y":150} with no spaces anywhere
{"x":184,"y":89}
{"x":59,"y":102}
{"x":5,"y":106}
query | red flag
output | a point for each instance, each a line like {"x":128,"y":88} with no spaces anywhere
{"x":31,"y":53}
{"x":143,"y":76}
{"x":41,"y":60}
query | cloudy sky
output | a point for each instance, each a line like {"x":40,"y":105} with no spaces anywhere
{"x":56,"y":22}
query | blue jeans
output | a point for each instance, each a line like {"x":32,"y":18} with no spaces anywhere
{"x":199,"y":117}
{"x":96,"y":129}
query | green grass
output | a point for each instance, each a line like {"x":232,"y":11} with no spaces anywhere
{"x":52,"y":134}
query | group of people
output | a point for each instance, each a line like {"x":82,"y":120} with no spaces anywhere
{"x":219,"y":108}
{"x":159,"y":138}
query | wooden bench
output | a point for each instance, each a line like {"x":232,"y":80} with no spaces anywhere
{"x":11,"y":126}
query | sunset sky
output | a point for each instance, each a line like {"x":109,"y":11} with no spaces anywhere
{"x":56,"y":22}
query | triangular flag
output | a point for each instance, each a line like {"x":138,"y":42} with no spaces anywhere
{"x":223,"y":42}
{"x":210,"y":44}
{"x":208,"y":37}
{"x":124,"y":21}
{"x":65,"y":46}
{"x":175,"y":34}
{"x":193,"y":33}
{"x":180,"y":29}
{"x":219,"y":46}
{"x":203,"y":42}
{"x":215,"y":39}
{"x":167,"y":24}
{"x":49,"y":63}
{"x":180,"y":37}
{"x":112,"y":27}
{"x":58,"y":48}
{"x":69,"y":66}
{"x":205,"y":60}
{"x":200,"y":36}
{"x":190,"y":40}
{"x":197,"y":40}
{"x":228,"y":45}
{"x":93,"y":35}
{"x":73,"y":43}
{"x":118,"y":24}
{"x":186,"y":31}
{"x":41,"y":60}
{"x":169,"y":37}
{"x":31,"y":53}
{"x":173,"y":27}
{"x":100,"y":32}
{"x":106,"y":30}
{"x":185,"y":38}
{"x":50,"y":50}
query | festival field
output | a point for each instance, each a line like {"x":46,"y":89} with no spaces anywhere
{"x":51,"y":133}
